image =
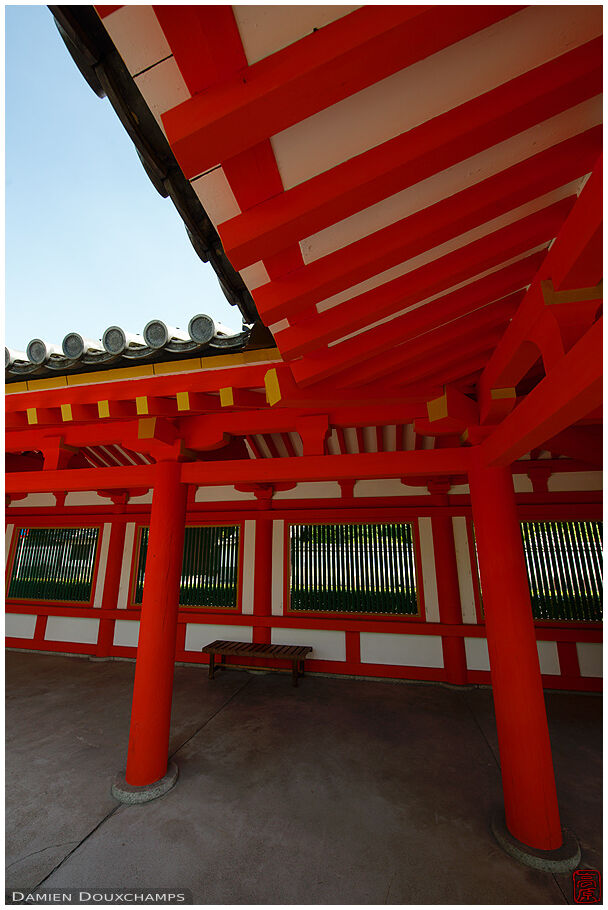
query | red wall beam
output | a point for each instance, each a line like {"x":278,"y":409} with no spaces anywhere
{"x":566,"y":394}
{"x":311,"y":74}
{"x":413,"y":156}
{"x":430,"y":227}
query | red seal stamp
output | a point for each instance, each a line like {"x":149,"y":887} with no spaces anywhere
{"x":587,"y":886}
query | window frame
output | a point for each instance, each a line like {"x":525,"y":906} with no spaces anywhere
{"x":340,"y":616}
{"x":191,"y":608}
{"x":10,"y":564}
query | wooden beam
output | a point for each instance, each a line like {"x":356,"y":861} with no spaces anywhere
{"x":411,"y":157}
{"x":74,"y":479}
{"x":569,"y":392}
{"x":432,"y":278}
{"x":311,"y":74}
{"x":430,"y":227}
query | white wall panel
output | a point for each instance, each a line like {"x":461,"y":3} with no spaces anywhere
{"x":86,"y":498}
{"x":200,"y":634}
{"x":35,"y":501}
{"x":429,"y":576}
{"x":20,"y":625}
{"x":103,"y":563}
{"x":327,"y":643}
{"x":590,"y":658}
{"x":126,"y":633}
{"x":548,"y":658}
{"x":248,"y":565}
{"x":575,"y":480}
{"x":125,"y":571}
{"x":278,"y":566}
{"x":78,"y":629}
{"x":225,"y":493}
{"x":308,"y":490}
{"x":387,"y":487}
{"x":401,"y":650}
{"x":476,"y":650}
{"x":8,"y":537}
{"x":463,"y":563}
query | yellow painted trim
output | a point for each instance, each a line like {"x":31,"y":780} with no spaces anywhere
{"x":103,"y":408}
{"x":112,"y":375}
{"x":177,"y":366}
{"x":227,"y":397}
{"x":11,"y":388}
{"x":437,"y":408}
{"x":146,"y":427}
{"x":66,"y":412}
{"x":32,"y":416}
{"x":183,"y":401}
{"x":273,"y":387}
{"x":465,"y":436}
{"x":497,"y":394}
{"x":141,"y":404}
{"x":56,"y":382}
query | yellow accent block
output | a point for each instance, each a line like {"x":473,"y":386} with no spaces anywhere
{"x":66,"y":412}
{"x":177,"y":366}
{"x":465,"y":436}
{"x":273,"y":388}
{"x":40,"y":385}
{"x":146,"y":427}
{"x":183,"y":401}
{"x":497,"y":394}
{"x":103,"y":408}
{"x":32,"y":416}
{"x":111,"y":375}
{"x":11,"y":388}
{"x":437,"y":408}
{"x":227,"y":397}
{"x":141,"y":404}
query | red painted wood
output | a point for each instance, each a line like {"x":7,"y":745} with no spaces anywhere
{"x":436,"y":276}
{"x":104,"y":11}
{"x":531,"y":809}
{"x":111,"y":585}
{"x":262,"y":579}
{"x":153,"y":687}
{"x":311,"y":74}
{"x":448,"y":595}
{"x":411,"y":157}
{"x":568,"y":659}
{"x":430,"y":227}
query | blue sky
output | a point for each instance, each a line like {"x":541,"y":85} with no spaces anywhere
{"x":89,"y":242}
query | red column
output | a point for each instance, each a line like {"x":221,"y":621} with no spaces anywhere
{"x":111,"y":584}
{"x":153,"y":688}
{"x":448,"y":594}
{"x":262,"y":582}
{"x":531,"y":810}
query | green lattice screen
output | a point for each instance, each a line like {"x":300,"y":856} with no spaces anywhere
{"x":209,"y":567}
{"x":54,"y":564}
{"x":353,"y":568}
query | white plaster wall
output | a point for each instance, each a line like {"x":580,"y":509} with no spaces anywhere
{"x":548,"y":658}
{"x":459,"y":488}
{"x":329,"y":489}
{"x":463,"y":564}
{"x":8,"y":536}
{"x":575,"y":480}
{"x":20,"y":625}
{"x":522,"y":483}
{"x":199,"y":634}
{"x":478,"y":658}
{"x":278,"y":564}
{"x":401,"y":650}
{"x":327,"y":643}
{"x":125,"y":571}
{"x":78,"y":629}
{"x":35,"y":500}
{"x":387,"y":487}
{"x":86,"y":498}
{"x":103,"y":563}
{"x":221,"y":494}
{"x":141,"y":500}
{"x":126,"y":632}
{"x":589,"y":658}
{"x":248,"y":565}
{"x":429,"y":575}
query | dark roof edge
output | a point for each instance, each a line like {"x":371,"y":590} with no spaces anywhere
{"x":102,"y":67}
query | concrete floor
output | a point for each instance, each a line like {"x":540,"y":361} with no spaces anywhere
{"x":339,"y":791}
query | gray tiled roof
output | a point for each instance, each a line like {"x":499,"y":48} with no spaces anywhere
{"x":119,"y":348}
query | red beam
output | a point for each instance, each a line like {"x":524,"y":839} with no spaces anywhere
{"x":80,"y":479}
{"x":428,"y":228}
{"x":311,"y":74}
{"x":438,"y":275}
{"x":416,"y":155}
{"x":566,"y":394}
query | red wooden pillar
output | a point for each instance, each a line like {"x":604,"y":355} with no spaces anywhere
{"x":262,"y":582}
{"x":111,"y":584}
{"x":531,"y":810}
{"x":153,"y":688}
{"x":448,"y":594}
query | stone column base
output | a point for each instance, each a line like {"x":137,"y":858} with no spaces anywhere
{"x":564,"y":859}
{"x":131,"y":796}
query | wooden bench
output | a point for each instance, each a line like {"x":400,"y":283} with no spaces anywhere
{"x":295,"y":653}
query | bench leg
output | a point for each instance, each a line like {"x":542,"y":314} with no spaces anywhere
{"x":294,"y":673}
{"x":211,"y":666}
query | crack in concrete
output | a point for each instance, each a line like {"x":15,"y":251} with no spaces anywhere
{"x":481,"y":730}
{"x":210,"y":718}
{"x":553,"y":876}
{"x":35,"y":852}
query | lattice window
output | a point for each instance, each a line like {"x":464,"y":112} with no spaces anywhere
{"x":353,"y":568}
{"x":209,"y":567}
{"x":56,"y":564}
